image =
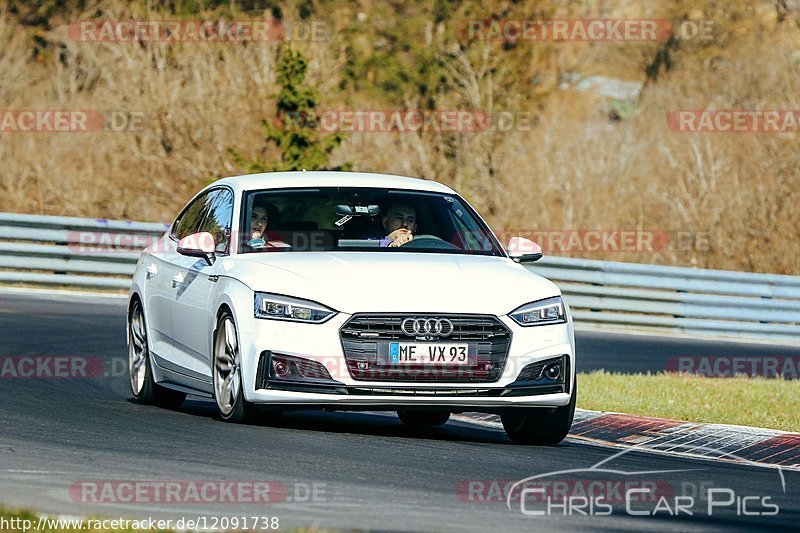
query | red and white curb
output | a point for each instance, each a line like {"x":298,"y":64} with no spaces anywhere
{"x":737,"y":444}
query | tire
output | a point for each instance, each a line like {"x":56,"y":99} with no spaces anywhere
{"x":423,"y":419}
{"x":140,"y":374}
{"x":540,"y":426}
{"x":226,"y":374}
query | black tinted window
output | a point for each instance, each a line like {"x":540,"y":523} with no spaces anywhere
{"x":364,"y":219}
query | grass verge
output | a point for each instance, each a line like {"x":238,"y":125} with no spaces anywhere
{"x":743,"y":401}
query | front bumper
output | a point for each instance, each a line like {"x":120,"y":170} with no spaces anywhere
{"x":322,"y":343}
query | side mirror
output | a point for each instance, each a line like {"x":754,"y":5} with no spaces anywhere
{"x":198,"y":245}
{"x":524,"y":250}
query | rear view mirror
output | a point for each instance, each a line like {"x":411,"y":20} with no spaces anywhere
{"x":524,"y":250}
{"x":198,"y":245}
{"x":357,"y":210}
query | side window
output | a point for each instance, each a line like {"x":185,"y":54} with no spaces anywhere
{"x":472,"y":238}
{"x":219,"y":218}
{"x":188,"y":221}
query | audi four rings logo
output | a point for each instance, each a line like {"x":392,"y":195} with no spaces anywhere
{"x":441,"y":327}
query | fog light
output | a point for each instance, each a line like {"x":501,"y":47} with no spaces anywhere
{"x":363,"y":366}
{"x":293,"y":368}
{"x":552,"y":371}
{"x":280,"y":368}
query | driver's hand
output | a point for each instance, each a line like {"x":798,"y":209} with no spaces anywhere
{"x":396,"y":233}
{"x":401,"y":239}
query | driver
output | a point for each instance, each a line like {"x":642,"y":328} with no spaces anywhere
{"x":400,"y":223}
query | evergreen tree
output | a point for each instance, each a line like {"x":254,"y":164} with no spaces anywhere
{"x":294,"y":131}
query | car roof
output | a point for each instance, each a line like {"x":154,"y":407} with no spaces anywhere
{"x":301,"y":179}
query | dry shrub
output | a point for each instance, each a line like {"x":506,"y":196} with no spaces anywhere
{"x":196,"y":100}
{"x":728,"y":201}
{"x":574,"y":169}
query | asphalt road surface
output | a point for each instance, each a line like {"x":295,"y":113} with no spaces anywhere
{"x":78,"y":446}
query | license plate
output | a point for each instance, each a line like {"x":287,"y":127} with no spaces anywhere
{"x":428,"y":353}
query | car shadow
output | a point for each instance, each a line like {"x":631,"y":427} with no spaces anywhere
{"x":362,"y":423}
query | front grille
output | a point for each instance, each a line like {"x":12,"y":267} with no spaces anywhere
{"x":366,"y":338}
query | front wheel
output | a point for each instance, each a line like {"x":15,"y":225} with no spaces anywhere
{"x":420,"y":419}
{"x":143,"y":386}
{"x":227,"y":376}
{"x":539,"y":426}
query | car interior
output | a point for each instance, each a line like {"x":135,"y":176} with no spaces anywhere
{"x":311,"y":224}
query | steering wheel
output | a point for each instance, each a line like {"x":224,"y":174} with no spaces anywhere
{"x":430,"y":241}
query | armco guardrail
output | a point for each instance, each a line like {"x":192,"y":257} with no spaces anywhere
{"x":75,"y":252}
{"x":688,"y":300}
{"x":102,"y":254}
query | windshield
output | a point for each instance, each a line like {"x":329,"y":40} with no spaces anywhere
{"x":362,"y":219}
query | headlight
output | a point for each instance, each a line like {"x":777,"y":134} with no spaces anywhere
{"x":543,"y":312}
{"x":276,"y":307}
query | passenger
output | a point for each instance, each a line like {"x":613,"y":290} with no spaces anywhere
{"x":261,"y":215}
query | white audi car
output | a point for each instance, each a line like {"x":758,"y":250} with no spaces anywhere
{"x":349,"y":291}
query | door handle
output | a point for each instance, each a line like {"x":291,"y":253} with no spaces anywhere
{"x":177,"y":279}
{"x":151,"y":270}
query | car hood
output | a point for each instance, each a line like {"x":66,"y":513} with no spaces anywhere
{"x":353,"y":282}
